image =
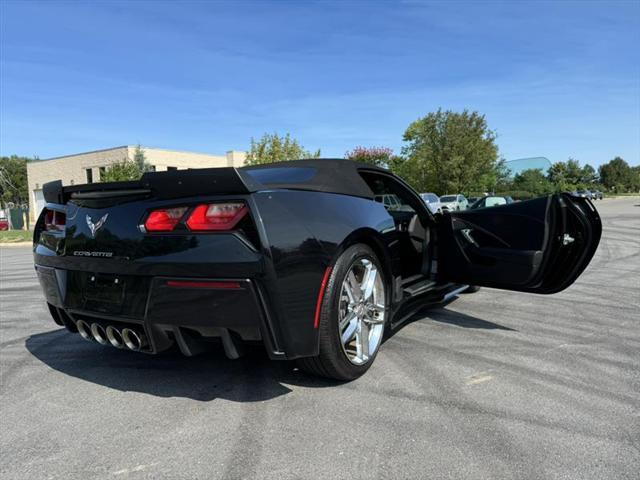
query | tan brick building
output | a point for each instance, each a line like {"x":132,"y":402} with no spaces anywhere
{"x":88,"y":167}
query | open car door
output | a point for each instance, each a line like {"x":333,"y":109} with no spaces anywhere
{"x":538,"y":246}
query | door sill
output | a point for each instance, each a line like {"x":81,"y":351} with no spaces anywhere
{"x":419,"y":287}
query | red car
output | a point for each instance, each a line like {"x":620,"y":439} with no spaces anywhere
{"x":4,"y":222}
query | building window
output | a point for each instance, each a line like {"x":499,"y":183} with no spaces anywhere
{"x":103,"y":170}
{"x":171,"y":168}
{"x":89,"y":175}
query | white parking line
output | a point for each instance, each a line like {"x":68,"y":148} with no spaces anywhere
{"x":475,"y":379}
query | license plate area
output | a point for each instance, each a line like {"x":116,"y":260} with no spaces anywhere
{"x":105,"y":289}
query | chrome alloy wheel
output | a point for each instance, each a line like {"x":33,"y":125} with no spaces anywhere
{"x":361,"y":311}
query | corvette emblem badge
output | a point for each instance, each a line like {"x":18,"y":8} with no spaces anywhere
{"x":94,"y":227}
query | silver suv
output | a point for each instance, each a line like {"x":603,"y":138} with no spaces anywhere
{"x":454,"y":202}
{"x":432,"y":201}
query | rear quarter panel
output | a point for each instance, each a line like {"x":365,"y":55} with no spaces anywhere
{"x":303,"y":233}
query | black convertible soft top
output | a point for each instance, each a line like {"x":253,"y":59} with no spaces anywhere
{"x":331,"y":175}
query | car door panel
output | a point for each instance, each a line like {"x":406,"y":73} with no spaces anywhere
{"x":539,"y":246}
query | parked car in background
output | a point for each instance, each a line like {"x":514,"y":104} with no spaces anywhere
{"x":454,"y":202}
{"x":597,"y":195}
{"x":432,"y":201}
{"x":4,"y":221}
{"x":392,"y":202}
{"x":584,"y":194}
{"x":491,"y":201}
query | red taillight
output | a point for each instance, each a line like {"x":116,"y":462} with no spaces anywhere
{"x":203,"y":218}
{"x":54,"y":220}
{"x":216,"y":216}
{"x":164,"y":220}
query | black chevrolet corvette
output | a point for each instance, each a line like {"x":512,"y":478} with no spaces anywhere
{"x":297,"y":255}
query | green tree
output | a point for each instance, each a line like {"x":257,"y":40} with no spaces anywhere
{"x":569,"y":175}
{"x":141,"y":160}
{"x":574,"y":172}
{"x":379,"y":156}
{"x":619,"y":176}
{"x":635,"y":179}
{"x":497,"y":177}
{"x":533,"y":181}
{"x":449,"y":152}
{"x":122,"y":171}
{"x":274,"y":148}
{"x":557,"y":175}
{"x":127,"y":169}
{"x":13,"y":179}
{"x":589,"y":175}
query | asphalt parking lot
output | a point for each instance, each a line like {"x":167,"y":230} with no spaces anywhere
{"x":496,"y":385}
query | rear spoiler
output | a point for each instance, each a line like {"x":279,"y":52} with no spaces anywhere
{"x":162,"y":185}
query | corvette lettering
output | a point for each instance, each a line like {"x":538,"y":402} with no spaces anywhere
{"x":80,"y":253}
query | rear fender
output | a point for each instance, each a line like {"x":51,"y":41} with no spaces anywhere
{"x":304,"y":233}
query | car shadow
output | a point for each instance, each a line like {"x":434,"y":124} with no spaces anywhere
{"x":463,"y":320}
{"x":443,"y":315}
{"x":205,"y":377}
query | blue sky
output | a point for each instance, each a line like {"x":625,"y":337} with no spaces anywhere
{"x":555,"y":79}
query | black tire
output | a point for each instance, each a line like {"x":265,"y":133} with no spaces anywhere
{"x":332,"y":362}
{"x":472,"y":289}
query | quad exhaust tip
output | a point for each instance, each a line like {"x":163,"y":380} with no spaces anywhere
{"x":111,"y":335}
{"x":115,"y":337}
{"x":84,"y":330}
{"x":132,"y":340}
{"x":99,"y":334}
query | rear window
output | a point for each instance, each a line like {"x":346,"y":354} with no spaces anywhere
{"x":449,"y":198}
{"x":281,"y":175}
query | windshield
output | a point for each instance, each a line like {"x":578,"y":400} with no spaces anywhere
{"x":448,"y":198}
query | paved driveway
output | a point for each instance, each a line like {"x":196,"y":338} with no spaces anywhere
{"x":496,"y":385}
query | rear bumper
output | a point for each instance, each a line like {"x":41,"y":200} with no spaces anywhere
{"x":167,"y":310}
